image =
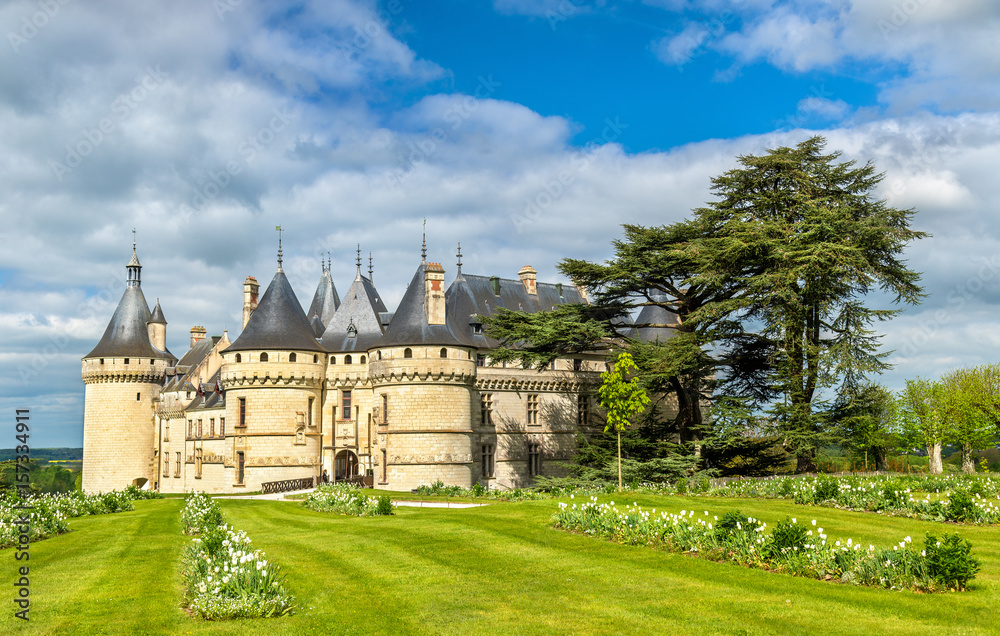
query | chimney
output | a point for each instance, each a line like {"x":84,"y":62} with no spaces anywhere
{"x":197,"y":333}
{"x":495,"y":285}
{"x":250,"y":288}
{"x":434,"y":293}
{"x":529,"y":278}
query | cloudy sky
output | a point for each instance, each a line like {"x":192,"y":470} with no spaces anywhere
{"x":529,"y":130}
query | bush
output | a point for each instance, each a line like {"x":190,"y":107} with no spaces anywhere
{"x":731,"y":523}
{"x":384,"y":506}
{"x":787,"y":536}
{"x":961,"y":507}
{"x":950,"y":560}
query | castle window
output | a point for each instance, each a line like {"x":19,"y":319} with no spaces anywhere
{"x":534,"y":452}
{"x":385,"y":466}
{"x":291,"y":357}
{"x":488,"y":460}
{"x":347,"y":360}
{"x":577,"y":364}
{"x":177,"y":469}
{"x":263,"y":357}
{"x":333,"y":359}
{"x":222,"y":427}
{"x":480,"y":359}
{"x":151,"y":361}
{"x":582,"y":410}
{"x":315,"y":358}
{"x":477,"y":328}
{"x":211,"y":427}
{"x":407,"y":353}
{"x":190,"y":429}
{"x":239,"y":358}
{"x":199,"y":428}
{"x":532,"y":414}
{"x":102,"y":360}
{"x":240,"y":463}
{"x":379,"y":354}
{"x":166,"y":465}
{"x":362,"y":359}
{"x":138,"y":397}
{"x":126,"y":360}
{"x":197,"y":463}
{"x":243,"y":412}
{"x":444,"y":352}
{"x":309,"y":417}
{"x":486,"y":408}
{"x":345,"y":404}
{"x":552,"y":365}
{"x":166,"y":435}
{"x":385,"y":408}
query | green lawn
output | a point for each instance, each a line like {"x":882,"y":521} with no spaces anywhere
{"x":498,"y":569}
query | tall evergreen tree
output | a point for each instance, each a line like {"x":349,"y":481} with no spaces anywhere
{"x":804,"y":239}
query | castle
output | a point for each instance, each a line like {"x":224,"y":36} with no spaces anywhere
{"x":401,"y":398}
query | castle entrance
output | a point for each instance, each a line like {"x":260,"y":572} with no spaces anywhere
{"x":345,"y":465}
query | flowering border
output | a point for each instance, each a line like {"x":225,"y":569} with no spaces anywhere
{"x":225,"y":578}
{"x":791,"y":548}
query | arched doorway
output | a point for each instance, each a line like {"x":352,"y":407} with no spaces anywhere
{"x":141,"y":482}
{"x":345,"y":465}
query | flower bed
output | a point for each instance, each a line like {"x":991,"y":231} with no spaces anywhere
{"x":346,"y":499}
{"x":47,"y":513}
{"x":225,"y":577}
{"x":945,"y":499}
{"x":791,"y":548}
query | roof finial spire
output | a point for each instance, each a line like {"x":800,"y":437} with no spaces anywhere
{"x":133,"y":239}
{"x":370,"y":269}
{"x":278,"y":230}
{"x":423,"y":248}
{"x":358,"y":259}
{"x":459,"y":255}
{"x":329,"y":261}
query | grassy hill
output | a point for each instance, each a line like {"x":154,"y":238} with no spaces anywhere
{"x":498,"y":569}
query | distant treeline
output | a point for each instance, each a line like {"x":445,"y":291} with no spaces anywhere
{"x":50,"y":479}
{"x":45,"y":453}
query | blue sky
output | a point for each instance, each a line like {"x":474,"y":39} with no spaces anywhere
{"x":529,"y":130}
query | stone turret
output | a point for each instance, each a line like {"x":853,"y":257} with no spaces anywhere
{"x":123,"y":376}
{"x":157,"y":328}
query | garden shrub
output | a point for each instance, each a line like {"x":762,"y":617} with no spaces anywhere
{"x":787,"y":536}
{"x":950,"y":561}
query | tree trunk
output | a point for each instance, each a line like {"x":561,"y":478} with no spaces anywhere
{"x":881,"y":464}
{"x":968,"y":463}
{"x":934,"y":466}
{"x":619,"y":461}
{"x":805,"y":462}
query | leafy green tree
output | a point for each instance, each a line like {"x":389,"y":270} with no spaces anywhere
{"x":804,"y":240}
{"x":923,"y":411}
{"x":972,"y":401}
{"x":622,"y":398}
{"x":868,"y":421}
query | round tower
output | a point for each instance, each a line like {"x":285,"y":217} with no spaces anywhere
{"x":423,"y":372}
{"x":273,"y":377}
{"x":123,"y":376}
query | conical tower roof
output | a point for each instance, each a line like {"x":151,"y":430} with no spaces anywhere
{"x":126,"y":335}
{"x":656,"y":315}
{"x":325,"y":301}
{"x":360,"y":310}
{"x":157,"y":316}
{"x":278,"y":322}
{"x":409,"y":323}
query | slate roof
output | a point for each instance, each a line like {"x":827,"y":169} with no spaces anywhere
{"x":278,"y":322}
{"x":325,"y":301}
{"x":126,"y":334}
{"x":654,"y":314}
{"x":197,"y":353}
{"x":467,"y":297}
{"x":157,"y":316}
{"x":361,"y":307}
